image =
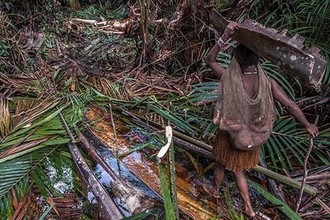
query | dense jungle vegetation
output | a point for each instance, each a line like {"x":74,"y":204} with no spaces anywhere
{"x":145,"y":59}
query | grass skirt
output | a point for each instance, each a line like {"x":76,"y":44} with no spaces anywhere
{"x":230,"y":157}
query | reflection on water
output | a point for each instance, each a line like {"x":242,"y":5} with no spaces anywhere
{"x":62,"y":178}
{"x":91,"y":198}
{"x":122,"y":171}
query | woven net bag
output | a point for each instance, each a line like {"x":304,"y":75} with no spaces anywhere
{"x":249,"y":121}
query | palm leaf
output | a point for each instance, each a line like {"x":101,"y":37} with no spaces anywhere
{"x":202,"y":92}
{"x":284,"y":208}
{"x":45,"y":213}
{"x":168,"y":204}
{"x":278,"y":146}
{"x":25,"y":149}
{"x":17,"y":193}
{"x":11,"y":173}
{"x":271,"y":69}
{"x":44,"y":119}
{"x":289,"y":138}
{"x":19,"y":179}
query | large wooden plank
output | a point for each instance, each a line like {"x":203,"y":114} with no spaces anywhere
{"x":289,"y":53}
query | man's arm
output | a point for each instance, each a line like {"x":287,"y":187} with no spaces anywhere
{"x":219,"y":47}
{"x":293,"y":108}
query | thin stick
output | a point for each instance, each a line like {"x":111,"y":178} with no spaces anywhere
{"x":115,"y":137}
{"x":84,"y":21}
{"x":305,"y":173}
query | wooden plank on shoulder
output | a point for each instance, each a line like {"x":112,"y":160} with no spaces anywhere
{"x":289,"y":53}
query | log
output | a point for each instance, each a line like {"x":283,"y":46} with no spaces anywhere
{"x":134,"y":199}
{"x":191,"y":200}
{"x":107,"y":208}
{"x":289,"y":53}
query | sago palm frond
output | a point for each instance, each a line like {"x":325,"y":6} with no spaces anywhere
{"x":14,"y":180}
{"x":288,"y":145}
{"x":31,"y":140}
{"x":273,"y":72}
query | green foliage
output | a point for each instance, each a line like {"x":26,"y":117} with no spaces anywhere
{"x":143,"y":215}
{"x":32,"y":143}
{"x":205,"y":91}
{"x":18,"y":190}
{"x":231,"y":208}
{"x":327,"y":74}
{"x":285,"y":141}
{"x":15,"y":178}
{"x":284,"y":208}
{"x":4,"y":48}
{"x":102,"y":10}
{"x":168,"y":204}
{"x":272,"y":71}
{"x":45,"y":213}
{"x":288,"y":146}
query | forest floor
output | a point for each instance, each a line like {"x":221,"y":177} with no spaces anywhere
{"x":71,"y":51}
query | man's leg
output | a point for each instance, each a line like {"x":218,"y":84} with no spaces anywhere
{"x":244,"y":191}
{"x":213,"y":190}
{"x":219,"y":172}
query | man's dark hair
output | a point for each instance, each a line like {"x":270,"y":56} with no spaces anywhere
{"x":245,"y":57}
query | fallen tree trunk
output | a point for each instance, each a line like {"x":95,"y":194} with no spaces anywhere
{"x":132,"y":198}
{"x":289,"y":53}
{"x":107,"y":208}
{"x":191,"y":200}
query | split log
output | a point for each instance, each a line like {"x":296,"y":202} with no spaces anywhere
{"x":134,"y":199}
{"x":191,"y":200}
{"x":289,"y":53}
{"x":108,"y":209}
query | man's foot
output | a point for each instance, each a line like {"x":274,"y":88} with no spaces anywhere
{"x":257,"y":216}
{"x":211,"y":190}
{"x":249,"y":212}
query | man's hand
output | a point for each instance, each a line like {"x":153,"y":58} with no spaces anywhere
{"x":312,"y":130}
{"x":230,"y":30}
